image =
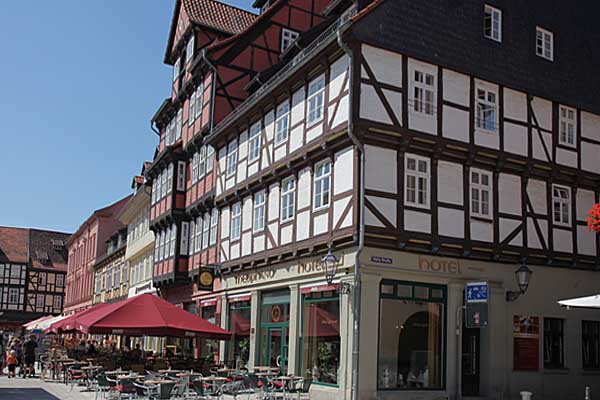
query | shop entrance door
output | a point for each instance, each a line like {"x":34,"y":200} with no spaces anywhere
{"x":277,"y":348}
{"x":470,"y":361}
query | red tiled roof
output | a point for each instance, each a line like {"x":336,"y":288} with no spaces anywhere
{"x":13,"y":244}
{"x":217,"y":15}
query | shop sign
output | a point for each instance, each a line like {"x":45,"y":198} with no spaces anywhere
{"x":476,"y":298}
{"x":381,"y":260}
{"x":526,"y":342}
{"x":440,"y":265}
{"x":250,"y":277}
{"x":206,"y":279}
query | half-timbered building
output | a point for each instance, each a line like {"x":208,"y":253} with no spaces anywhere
{"x":427,"y":144}
{"x":33,"y":266}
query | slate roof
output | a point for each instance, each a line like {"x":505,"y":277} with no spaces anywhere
{"x":19,"y":245}
{"x":217,"y":15}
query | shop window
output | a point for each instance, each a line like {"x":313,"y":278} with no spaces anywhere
{"x":411,"y":336}
{"x":554,"y":343}
{"x":320,"y":341}
{"x":590,"y":342}
{"x":209,"y":348}
{"x":238,"y":348}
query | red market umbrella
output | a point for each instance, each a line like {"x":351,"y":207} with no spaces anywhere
{"x":68,"y":324}
{"x":150,"y":315}
{"x":322,"y":323}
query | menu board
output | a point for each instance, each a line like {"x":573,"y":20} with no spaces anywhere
{"x":526,"y":343}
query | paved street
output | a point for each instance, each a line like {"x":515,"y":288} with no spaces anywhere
{"x":35,"y":389}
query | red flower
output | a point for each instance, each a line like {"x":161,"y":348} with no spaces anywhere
{"x":594,"y":218}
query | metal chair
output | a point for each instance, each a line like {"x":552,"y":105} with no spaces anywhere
{"x":127,"y":388}
{"x":301,"y":388}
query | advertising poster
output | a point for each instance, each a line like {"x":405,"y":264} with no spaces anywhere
{"x":526,"y":343}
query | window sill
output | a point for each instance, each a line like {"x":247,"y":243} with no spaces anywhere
{"x":556,"y":371}
{"x":590,"y":371}
{"x":482,"y":219}
{"x":486,"y":131}
{"x":328,"y":385}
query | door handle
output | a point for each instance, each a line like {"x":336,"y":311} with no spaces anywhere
{"x":278,"y":361}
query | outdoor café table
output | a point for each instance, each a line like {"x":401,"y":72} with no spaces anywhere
{"x":286,"y":380}
{"x":226,"y":371}
{"x":159,"y":383}
{"x":88,"y":372}
{"x":266,"y":369}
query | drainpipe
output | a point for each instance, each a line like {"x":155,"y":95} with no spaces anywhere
{"x":361,"y":220}
{"x":213,"y":90}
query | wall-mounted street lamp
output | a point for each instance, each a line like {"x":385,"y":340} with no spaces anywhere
{"x":523,"y":276}
{"x":329,"y":264}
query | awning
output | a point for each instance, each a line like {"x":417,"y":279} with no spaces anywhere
{"x":582,"y":302}
{"x":68,"y":324}
{"x":150,"y":315}
{"x":33,"y":325}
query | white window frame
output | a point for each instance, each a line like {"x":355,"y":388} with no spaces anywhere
{"x":198,"y":236}
{"x":40,"y":298}
{"x":493,"y":16}
{"x":254,"y":142}
{"x":173,"y":242}
{"x":166,"y":243}
{"x":57,"y":302}
{"x":199,"y":100}
{"x":282,"y":123}
{"x":322,"y":184}
{"x":485,"y":106}
{"x":192,"y":109}
{"x":170,"y":169}
{"x":210,"y":159}
{"x":288,"y":37}
{"x":258,"y":212}
{"x":202,"y":162}
{"x":179,"y":125}
{"x":232,"y":155}
{"x":214,"y":223}
{"x":60,"y":280}
{"x":479,"y":188}
{"x":288,"y":199}
{"x":236,"y":221}
{"x":564,"y":205}
{"x":163,"y":184}
{"x":181,"y":176}
{"x":424,"y":93}
{"x":195,"y":161}
{"x":206,"y":231}
{"x":42,"y":279}
{"x":13,"y":292}
{"x":419,"y":176}
{"x":176,"y":69}
{"x":189,"y":51}
{"x":567,"y":123}
{"x":315,"y":101}
{"x":544,"y":43}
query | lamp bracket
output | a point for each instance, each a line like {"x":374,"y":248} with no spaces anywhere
{"x":512,"y":296}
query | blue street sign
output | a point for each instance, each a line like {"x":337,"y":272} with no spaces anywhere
{"x":476,"y":292}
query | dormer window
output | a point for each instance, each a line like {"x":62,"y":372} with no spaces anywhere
{"x":287,"y":38}
{"x":544,"y":43}
{"x":492,"y":23}
{"x":57,"y":245}
{"x":42,"y":256}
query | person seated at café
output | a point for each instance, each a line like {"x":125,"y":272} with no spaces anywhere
{"x":136,"y":354}
{"x":91,"y":349}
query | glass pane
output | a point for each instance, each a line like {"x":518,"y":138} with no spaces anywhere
{"x":387,"y":289}
{"x":421,"y":292}
{"x":404,"y":291}
{"x":321,"y":340}
{"x":410,"y":345}
{"x":239,"y":325}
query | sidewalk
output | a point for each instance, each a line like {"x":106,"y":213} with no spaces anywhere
{"x":35,"y":389}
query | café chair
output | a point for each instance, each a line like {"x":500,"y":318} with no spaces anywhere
{"x":127,"y":388}
{"x":301,"y":388}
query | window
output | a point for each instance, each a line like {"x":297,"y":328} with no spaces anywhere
{"x":232,"y":154}
{"x":199,"y":100}
{"x":486,"y":118}
{"x":156,"y":247}
{"x":167,"y":242}
{"x":181,"y":175}
{"x":108,"y":280}
{"x":42,"y":280}
{"x":13,"y":296}
{"x":492,"y":23}
{"x":173,"y":240}
{"x":185,"y":232}
{"x":259,"y":211}
{"x":214,"y":222}
{"x":154,"y":188}
{"x":238,"y":347}
{"x":590,"y":344}
{"x":282,"y":123}
{"x":320,"y":341}
{"x":57,"y":302}
{"x":179,"y":124}
{"x":192,"y":109}
{"x":161,"y":246}
{"x":198,"y":238}
{"x":423,"y":101}
{"x":481,"y":190}
{"x":553,"y":343}
{"x":170,"y":178}
{"x":544,"y":43}
{"x":236,"y":221}
{"x":210,"y":158}
{"x":206,"y":231}
{"x":202,"y":162}
{"x":322,"y":184}
{"x":288,"y":199}
{"x":163,"y":184}
{"x":176,"y":69}
{"x":15,"y":271}
{"x":561,"y":204}
{"x":416,"y":181}
{"x":411,"y":336}
{"x":39,"y":300}
{"x":287,"y":38}
{"x":568,"y":126}
{"x":60,"y":280}
{"x":254,"y":142}
{"x":189,"y":53}
{"x":117,"y":279}
{"x":195,"y":162}
{"x":316,"y":95}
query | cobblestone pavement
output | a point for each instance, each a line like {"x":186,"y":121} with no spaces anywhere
{"x":35,"y":389}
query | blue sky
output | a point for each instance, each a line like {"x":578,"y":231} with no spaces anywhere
{"x":79,"y":83}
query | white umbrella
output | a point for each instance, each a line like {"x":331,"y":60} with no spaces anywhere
{"x":46,"y":323}
{"x":582,"y":302}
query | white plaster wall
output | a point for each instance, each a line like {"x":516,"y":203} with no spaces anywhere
{"x":509,"y":194}
{"x":456,"y":87}
{"x":590,"y":157}
{"x":371,"y":107}
{"x":381,"y":169}
{"x":543,"y":112}
{"x":536,"y":190}
{"x":562,"y":240}
{"x":507,"y":226}
{"x":516,"y":139}
{"x":585,"y":201}
{"x":455,"y":124}
{"x":386,"y":65}
{"x":304,"y":188}
{"x":482,"y":231}
{"x":320,"y":224}
{"x":451,"y":222}
{"x":590,"y":126}
{"x":387,"y":207}
{"x":343,"y":170}
{"x":515,"y":105}
{"x":417,"y":221}
{"x":566,"y":157}
{"x":586,"y":241}
{"x":450,"y":182}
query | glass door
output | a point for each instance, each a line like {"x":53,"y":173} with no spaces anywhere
{"x":277,"y":338}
